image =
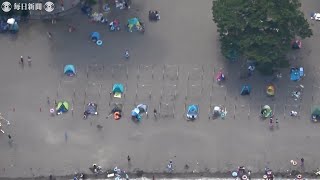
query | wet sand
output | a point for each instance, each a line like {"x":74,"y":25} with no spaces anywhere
{"x":180,"y":43}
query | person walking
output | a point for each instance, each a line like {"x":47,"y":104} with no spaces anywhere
{"x":10,"y":141}
{"x":170,"y":166}
{"x":21,"y":60}
{"x":155,"y":113}
{"x":29,"y":60}
{"x":53,"y":19}
{"x":271,"y":123}
{"x":66,"y":136}
{"x":49,"y":35}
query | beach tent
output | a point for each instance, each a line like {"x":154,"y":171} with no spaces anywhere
{"x":62,"y":107}
{"x":246,"y":89}
{"x":270,"y":90}
{"x":69,"y":70}
{"x":95,"y":36}
{"x":117,"y":90}
{"x":192,"y":111}
{"x":266,"y":111}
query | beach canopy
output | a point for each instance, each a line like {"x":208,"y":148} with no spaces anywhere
{"x":69,"y":70}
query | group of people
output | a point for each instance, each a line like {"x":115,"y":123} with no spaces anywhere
{"x":122,"y":4}
{"x":96,"y":169}
{"x":22,"y":60}
{"x":271,"y":123}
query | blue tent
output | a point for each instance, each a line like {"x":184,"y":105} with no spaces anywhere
{"x":246,"y":89}
{"x":69,"y":70}
{"x":296,"y":73}
{"x":192,"y":112}
{"x":92,"y":108}
{"x":118,"y":88}
{"x":95,"y":36}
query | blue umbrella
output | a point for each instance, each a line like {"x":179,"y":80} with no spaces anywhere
{"x":234,"y":174}
{"x":135,"y":112}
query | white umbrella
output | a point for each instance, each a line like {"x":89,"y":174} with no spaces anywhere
{"x":11,"y":21}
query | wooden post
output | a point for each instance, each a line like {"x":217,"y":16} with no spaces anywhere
{"x":163,"y":71}
{"x":138,"y":74}
{"x":87,"y":72}
{"x":178,"y":73}
{"x":202,"y":72}
{"x":249,"y":112}
{"x":152,"y":71}
{"x":127,"y":72}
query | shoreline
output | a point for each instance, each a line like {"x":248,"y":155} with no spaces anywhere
{"x":140,"y":175}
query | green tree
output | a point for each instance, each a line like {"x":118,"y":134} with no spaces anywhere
{"x":259,"y":30}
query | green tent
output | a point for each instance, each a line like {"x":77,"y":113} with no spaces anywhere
{"x":266,"y":111}
{"x":62,"y":107}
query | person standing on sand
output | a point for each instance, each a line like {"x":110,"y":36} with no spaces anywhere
{"x":170,"y":166}
{"x":29,"y":60}
{"x":302,"y":162}
{"x":21,"y":60}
